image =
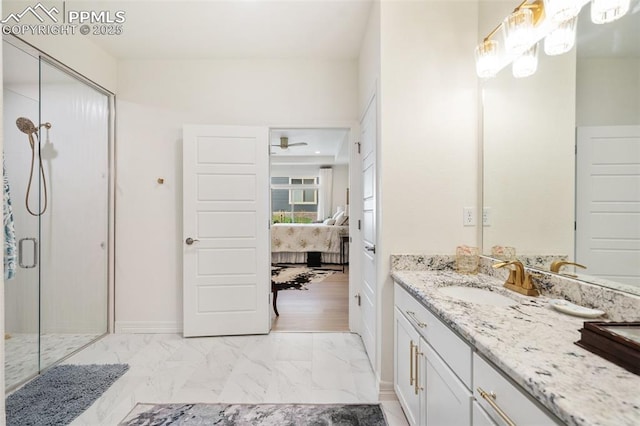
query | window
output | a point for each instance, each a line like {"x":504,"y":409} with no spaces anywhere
{"x":294,"y":200}
{"x":303,"y":196}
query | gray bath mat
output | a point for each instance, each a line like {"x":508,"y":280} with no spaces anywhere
{"x":60,"y":394}
{"x":256,"y":415}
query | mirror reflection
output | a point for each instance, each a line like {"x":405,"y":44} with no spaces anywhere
{"x":561,"y":155}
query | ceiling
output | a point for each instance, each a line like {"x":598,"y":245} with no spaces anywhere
{"x":324,"y":146}
{"x":208,"y":29}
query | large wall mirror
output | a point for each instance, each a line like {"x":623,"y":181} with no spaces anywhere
{"x":540,"y":196}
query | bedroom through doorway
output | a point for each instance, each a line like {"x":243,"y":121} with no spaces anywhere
{"x":309,"y":174}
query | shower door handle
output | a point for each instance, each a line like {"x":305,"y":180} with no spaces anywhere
{"x":21,"y":251}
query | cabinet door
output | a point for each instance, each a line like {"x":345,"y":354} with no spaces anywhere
{"x":448,"y":401}
{"x":406,"y":347}
{"x":480,"y":417}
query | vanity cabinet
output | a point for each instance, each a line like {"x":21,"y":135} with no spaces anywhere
{"x":431,"y":391}
{"x":438,"y":376}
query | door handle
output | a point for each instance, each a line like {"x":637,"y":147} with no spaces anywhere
{"x":372,"y":249}
{"x":35,"y":253}
{"x":190,"y":241}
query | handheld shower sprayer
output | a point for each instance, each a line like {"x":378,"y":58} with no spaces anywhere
{"x":26,"y":126}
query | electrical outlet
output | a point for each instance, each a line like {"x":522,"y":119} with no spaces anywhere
{"x":468,"y":216}
{"x":486,"y":216}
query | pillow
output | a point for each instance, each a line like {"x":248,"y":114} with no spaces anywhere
{"x":341,"y":219}
{"x":329,"y":221}
{"x":335,"y":215}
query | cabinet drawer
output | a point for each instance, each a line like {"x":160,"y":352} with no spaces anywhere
{"x":520,"y":408}
{"x":451,"y":348}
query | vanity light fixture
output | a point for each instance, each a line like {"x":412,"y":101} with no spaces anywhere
{"x":562,"y":39}
{"x":603,"y":11}
{"x":487,"y":58}
{"x":533,"y":20}
{"x":562,"y":10}
{"x":518,"y":37}
{"x":518,"y":30}
{"x":527,"y":63}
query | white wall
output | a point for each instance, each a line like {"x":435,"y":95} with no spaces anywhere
{"x":369,"y":60}
{"x":608,"y":91}
{"x":155,"y":98}
{"x":2,"y":404}
{"x":428,"y":158}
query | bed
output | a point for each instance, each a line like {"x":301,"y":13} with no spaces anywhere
{"x":291,"y":242}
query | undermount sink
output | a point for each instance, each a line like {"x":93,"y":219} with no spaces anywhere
{"x":477,"y":295}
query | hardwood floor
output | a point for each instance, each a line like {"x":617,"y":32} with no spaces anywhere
{"x":324,"y":307}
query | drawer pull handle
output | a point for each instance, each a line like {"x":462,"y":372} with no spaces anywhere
{"x":411,"y":346}
{"x":418,"y":322}
{"x":490,"y":398}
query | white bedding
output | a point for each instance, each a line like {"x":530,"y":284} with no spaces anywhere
{"x":305,"y":237}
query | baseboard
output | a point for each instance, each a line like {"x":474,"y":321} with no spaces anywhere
{"x":148,"y":327}
{"x":386,"y":392}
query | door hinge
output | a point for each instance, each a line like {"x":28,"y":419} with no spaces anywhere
{"x":359,"y":224}
{"x":358,"y":143}
{"x":357,"y":297}
{"x":575,"y":226}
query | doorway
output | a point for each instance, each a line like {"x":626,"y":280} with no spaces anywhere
{"x":309,"y":176}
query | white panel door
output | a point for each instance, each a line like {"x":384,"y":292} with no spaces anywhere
{"x":226,"y":273}
{"x":608,"y":202}
{"x":369,"y":296}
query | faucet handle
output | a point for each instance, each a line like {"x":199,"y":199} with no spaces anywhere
{"x":556,"y":265}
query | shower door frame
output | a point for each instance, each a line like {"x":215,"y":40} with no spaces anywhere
{"x":111,"y":180}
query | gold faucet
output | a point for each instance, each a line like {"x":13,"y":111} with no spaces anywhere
{"x":556,"y":265}
{"x":519,"y":279}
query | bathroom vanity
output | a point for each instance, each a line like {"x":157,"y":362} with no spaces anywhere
{"x":485,"y":355}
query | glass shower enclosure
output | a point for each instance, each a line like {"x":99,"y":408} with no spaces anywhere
{"x":56,"y":208}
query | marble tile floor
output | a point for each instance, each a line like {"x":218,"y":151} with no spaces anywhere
{"x":274,"y":368}
{"x":21,"y":352}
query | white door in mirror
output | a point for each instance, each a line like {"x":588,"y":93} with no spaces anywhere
{"x":573,"y":309}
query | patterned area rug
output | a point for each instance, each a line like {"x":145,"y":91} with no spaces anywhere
{"x":256,"y":414}
{"x":296,"y":277}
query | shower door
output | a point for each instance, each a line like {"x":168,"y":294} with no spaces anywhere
{"x":57,"y":170}
{"x":74,"y":229}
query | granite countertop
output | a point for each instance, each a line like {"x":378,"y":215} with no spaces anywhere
{"x":534,"y":345}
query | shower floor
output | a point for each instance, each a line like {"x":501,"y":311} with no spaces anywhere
{"x":21,"y":352}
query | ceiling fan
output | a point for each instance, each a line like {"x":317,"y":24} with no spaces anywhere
{"x":284,"y":143}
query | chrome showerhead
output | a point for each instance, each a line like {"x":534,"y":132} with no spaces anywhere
{"x":26,"y":126}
